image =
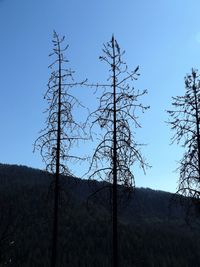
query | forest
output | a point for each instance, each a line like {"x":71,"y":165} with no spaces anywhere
{"x":151,"y":231}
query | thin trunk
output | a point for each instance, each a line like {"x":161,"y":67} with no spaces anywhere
{"x":114,"y":195}
{"x":57,"y":174}
{"x":197,"y":126}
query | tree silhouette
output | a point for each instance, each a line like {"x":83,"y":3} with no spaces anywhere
{"x":61,"y":131}
{"x":116,"y":115}
{"x":185,"y":121}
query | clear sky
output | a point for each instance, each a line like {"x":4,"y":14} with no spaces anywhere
{"x":161,"y":36}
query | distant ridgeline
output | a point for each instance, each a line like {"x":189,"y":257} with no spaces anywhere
{"x":152,"y":228}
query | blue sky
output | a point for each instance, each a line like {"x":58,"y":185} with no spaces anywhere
{"x":162,"y":37}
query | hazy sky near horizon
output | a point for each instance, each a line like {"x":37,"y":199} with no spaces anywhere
{"x":161,"y":36}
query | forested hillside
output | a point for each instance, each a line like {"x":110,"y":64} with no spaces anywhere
{"x":152,"y":230}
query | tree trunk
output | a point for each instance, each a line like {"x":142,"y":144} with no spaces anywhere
{"x":57,"y":174}
{"x":114,"y":193}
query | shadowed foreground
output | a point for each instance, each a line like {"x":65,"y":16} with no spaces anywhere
{"x":147,"y":236}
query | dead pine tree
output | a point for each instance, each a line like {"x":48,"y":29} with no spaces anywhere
{"x":61,"y":131}
{"x":117,"y":117}
{"x":184,"y":120}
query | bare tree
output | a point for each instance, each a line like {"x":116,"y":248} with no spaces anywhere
{"x":185,"y":121}
{"x":61,"y":131}
{"x":117,"y":116}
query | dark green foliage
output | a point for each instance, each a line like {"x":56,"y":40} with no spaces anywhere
{"x":148,"y":237}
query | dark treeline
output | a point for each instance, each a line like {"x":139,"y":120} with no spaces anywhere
{"x":151,"y":232}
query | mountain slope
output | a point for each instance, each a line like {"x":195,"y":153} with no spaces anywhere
{"x":151,"y":227}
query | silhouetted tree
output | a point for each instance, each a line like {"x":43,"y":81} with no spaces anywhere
{"x":185,"y":121}
{"x":61,"y":131}
{"x":117,"y":116}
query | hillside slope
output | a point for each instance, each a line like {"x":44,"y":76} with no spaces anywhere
{"x":152,"y":231}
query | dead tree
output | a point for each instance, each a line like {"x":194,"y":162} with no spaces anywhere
{"x":185,"y":121}
{"x":117,"y":116}
{"x":61,"y":131}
